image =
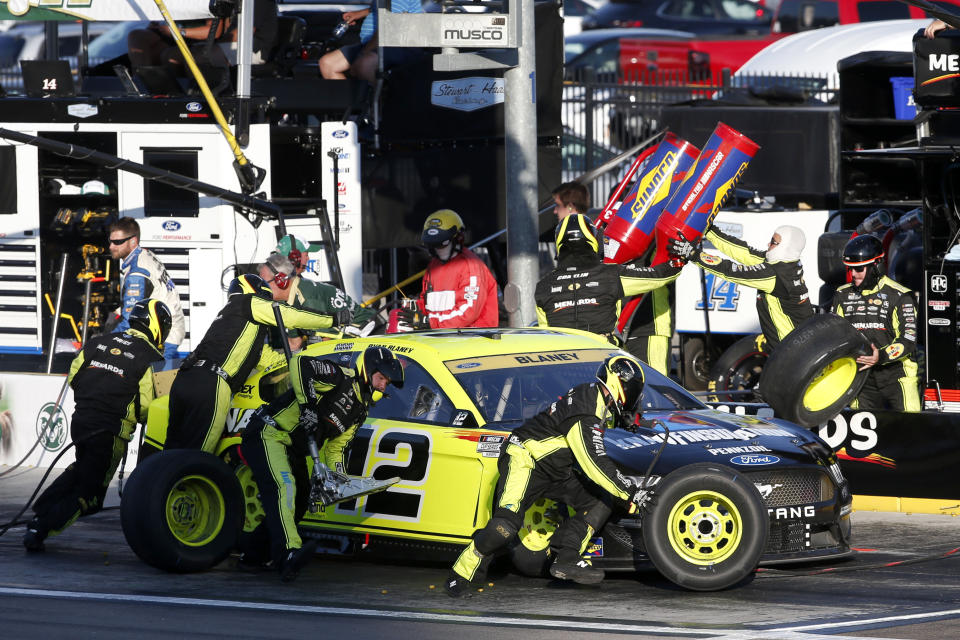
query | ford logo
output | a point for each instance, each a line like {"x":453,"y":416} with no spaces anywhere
{"x":194,"y":107}
{"x":754,"y":461}
{"x":468,"y":365}
{"x":340,"y":133}
{"x":171,"y":225}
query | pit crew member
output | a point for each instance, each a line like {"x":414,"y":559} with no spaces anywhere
{"x":884,"y":311}
{"x":559,"y":454}
{"x":232,"y":347}
{"x":783,"y":301}
{"x":459,"y":290}
{"x":112,"y":388}
{"x":328,"y":402}
{"x":143,"y":276}
{"x":585,"y":293}
{"x":279,"y":272}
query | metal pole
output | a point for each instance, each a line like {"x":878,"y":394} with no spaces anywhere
{"x":86,"y":311}
{"x":520,"y":124}
{"x":56,"y":314}
{"x":244,"y":48}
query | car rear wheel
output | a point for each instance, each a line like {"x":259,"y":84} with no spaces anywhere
{"x":707,"y":529}
{"x":182,"y":511}
{"x":814,"y":374}
{"x":738,"y":369}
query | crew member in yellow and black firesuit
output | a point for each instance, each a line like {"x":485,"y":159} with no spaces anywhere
{"x":652,"y":326}
{"x":112,"y":388}
{"x":884,"y":311}
{"x":783,"y":301}
{"x":560,"y":454}
{"x":221,"y":363}
{"x":583,"y":292}
{"x":327,"y":402}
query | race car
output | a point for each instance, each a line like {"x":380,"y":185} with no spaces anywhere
{"x":732,"y":490}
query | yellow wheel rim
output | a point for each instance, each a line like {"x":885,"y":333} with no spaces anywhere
{"x":195,"y":511}
{"x":253,"y":513}
{"x":830,"y":384}
{"x":704,"y":528}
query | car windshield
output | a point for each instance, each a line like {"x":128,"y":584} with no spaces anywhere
{"x":510,"y":389}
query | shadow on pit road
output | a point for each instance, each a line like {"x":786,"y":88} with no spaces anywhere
{"x":89,"y":583}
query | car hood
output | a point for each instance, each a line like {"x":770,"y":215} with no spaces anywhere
{"x":707,"y":435}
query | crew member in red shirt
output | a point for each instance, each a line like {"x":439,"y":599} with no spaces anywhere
{"x":459,"y":290}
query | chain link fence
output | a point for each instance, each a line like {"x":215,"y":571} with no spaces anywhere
{"x":604,"y":115}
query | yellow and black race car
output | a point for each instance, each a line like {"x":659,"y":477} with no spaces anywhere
{"x":733,"y":490}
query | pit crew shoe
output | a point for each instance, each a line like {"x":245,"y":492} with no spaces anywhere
{"x":457,"y":586}
{"x":581,"y":572}
{"x":33,"y":540}
{"x":295,"y":560}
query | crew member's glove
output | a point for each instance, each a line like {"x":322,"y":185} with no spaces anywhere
{"x":342,"y":316}
{"x":412,"y":319}
{"x":309,"y":417}
{"x":682,"y":249}
{"x":644,"y":499}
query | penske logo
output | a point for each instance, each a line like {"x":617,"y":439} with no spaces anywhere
{"x":942,"y":62}
{"x":655,"y":185}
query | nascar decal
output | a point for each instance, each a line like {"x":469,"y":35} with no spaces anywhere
{"x":488,"y":444}
{"x":389,"y":453}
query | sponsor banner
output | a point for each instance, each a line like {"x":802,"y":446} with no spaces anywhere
{"x":100,"y":10}
{"x":890,"y":453}
{"x":467,"y":94}
{"x":28,"y":414}
{"x":341,"y":139}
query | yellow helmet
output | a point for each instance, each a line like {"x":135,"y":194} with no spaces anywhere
{"x":441,"y":226}
{"x":622,"y":377}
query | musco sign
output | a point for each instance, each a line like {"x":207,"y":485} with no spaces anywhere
{"x":936,"y":70}
{"x":474,"y":31}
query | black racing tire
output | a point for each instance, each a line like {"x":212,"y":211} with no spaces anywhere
{"x":813,"y":373}
{"x":830,"y":265}
{"x":696,"y":364}
{"x":182,"y":510}
{"x":707,"y":529}
{"x":738,"y":369}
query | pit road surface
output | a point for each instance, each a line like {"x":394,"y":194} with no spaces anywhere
{"x":89,"y":584}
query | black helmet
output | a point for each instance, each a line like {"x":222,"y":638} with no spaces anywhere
{"x":576,"y":233}
{"x":623,"y":378}
{"x":862,"y":250}
{"x":250,"y":283}
{"x":382,"y":360}
{"x":153,"y":318}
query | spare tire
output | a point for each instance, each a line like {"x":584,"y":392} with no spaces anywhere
{"x":830,"y":265}
{"x":182,"y":510}
{"x":738,"y":369}
{"x":814,"y":374}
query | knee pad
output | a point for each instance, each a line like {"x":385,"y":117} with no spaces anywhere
{"x":597,"y":515}
{"x":529,"y":562}
{"x":498,"y":532}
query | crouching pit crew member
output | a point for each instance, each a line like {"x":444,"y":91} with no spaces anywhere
{"x":883,"y":310}
{"x":560,"y":454}
{"x":585,"y":293}
{"x":231,"y":348}
{"x":327,"y":402}
{"x":112,"y":389}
